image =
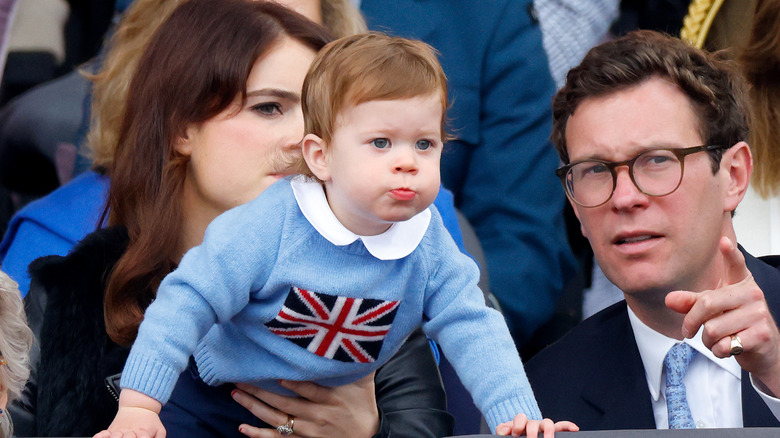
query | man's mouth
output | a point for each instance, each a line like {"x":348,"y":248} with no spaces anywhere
{"x":634,"y":239}
{"x":622,"y":240}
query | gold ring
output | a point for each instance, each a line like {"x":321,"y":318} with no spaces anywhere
{"x":736,"y":345}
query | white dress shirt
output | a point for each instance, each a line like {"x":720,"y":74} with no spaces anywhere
{"x":713,"y":385}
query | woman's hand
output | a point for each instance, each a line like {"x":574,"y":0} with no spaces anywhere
{"x":319,"y":412}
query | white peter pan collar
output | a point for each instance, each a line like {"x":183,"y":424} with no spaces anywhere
{"x":397,"y":242}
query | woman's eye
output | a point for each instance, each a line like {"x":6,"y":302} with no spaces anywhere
{"x":424,"y":145}
{"x":269,"y":108}
{"x":380,"y":143}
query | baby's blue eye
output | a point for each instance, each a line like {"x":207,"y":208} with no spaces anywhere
{"x":380,"y":143}
{"x":424,"y":145}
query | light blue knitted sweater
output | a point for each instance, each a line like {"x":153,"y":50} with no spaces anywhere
{"x":224,"y":301}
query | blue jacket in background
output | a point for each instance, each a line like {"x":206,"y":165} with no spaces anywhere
{"x":52,"y":225}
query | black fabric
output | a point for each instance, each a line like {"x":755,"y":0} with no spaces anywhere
{"x":594,"y":375}
{"x":67,"y":393}
{"x":412,"y":403}
{"x":197,"y":410}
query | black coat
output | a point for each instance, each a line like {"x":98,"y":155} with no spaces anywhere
{"x":594,"y":375}
{"x":67,"y":393}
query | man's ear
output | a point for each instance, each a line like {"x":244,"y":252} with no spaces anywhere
{"x":184,"y":143}
{"x":315,"y":152}
{"x":737,"y":162}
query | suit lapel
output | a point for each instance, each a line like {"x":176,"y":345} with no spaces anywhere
{"x":755,"y":413}
{"x":618,"y":388}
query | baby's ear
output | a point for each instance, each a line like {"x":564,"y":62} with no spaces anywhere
{"x":315,"y":152}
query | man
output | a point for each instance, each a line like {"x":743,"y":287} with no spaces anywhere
{"x":652,"y":131}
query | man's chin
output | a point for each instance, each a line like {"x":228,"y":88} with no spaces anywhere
{"x":632,"y":281}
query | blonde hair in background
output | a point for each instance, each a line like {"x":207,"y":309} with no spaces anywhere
{"x":760,"y":62}
{"x":365,"y":67}
{"x":697,"y":22}
{"x":342,"y":18}
{"x":134,"y":31}
{"x":15,"y":338}
{"x":109,"y":90}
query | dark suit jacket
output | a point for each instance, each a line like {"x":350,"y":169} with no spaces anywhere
{"x":594,"y":375}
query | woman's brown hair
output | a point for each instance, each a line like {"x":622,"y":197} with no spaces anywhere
{"x":760,"y":63}
{"x":194,"y":68}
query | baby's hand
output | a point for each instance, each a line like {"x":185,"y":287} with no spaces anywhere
{"x":521,"y":425}
{"x":134,"y":422}
{"x":138,"y":417}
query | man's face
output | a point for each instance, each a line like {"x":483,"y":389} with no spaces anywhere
{"x":648,"y":244}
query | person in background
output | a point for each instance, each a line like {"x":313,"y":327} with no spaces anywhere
{"x":747,"y":30}
{"x":758,"y":222}
{"x":652,"y":131}
{"x":570,"y":28}
{"x":15,"y":343}
{"x":160,"y":206}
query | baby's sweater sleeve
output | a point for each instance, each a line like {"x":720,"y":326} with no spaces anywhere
{"x":474,"y":337}
{"x":212,"y":284}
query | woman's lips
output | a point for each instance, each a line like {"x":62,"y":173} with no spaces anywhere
{"x":403,"y":194}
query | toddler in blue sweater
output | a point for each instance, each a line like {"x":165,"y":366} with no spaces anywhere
{"x":324,"y":275}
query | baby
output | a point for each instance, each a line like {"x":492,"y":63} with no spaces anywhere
{"x":324,"y":275}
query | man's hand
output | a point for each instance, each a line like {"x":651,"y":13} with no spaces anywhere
{"x":736,"y":307}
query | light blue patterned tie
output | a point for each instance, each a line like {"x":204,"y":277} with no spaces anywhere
{"x":676,"y":363}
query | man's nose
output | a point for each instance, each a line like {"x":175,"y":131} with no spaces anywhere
{"x":626,"y":194}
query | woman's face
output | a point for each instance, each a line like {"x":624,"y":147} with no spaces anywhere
{"x":237,"y":155}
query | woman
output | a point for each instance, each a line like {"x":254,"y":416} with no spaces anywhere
{"x":242,"y":87}
{"x":15,"y":341}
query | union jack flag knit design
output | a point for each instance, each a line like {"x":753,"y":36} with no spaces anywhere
{"x":334,"y":327}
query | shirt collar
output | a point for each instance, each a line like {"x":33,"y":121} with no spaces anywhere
{"x":397,"y":242}
{"x":653,"y":347}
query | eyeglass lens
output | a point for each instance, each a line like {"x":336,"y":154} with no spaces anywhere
{"x":655,"y":173}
